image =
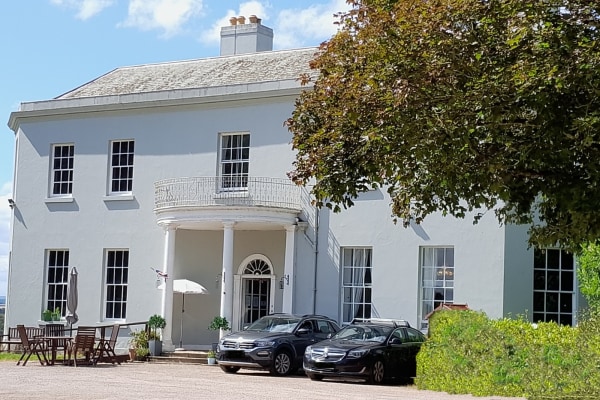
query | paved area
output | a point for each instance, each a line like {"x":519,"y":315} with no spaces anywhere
{"x":179,"y":381}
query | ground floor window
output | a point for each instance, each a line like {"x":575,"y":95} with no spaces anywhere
{"x":356,"y":283}
{"x":437,"y":279}
{"x":553,"y":286}
{"x":57,"y":280}
{"x":117,"y":276}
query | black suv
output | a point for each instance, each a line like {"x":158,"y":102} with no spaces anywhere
{"x":274,"y":342}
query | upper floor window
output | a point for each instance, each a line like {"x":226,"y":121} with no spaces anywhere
{"x":121,"y":166}
{"x":356,"y":283}
{"x":553,"y":286}
{"x":117,"y":277}
{"x":437,"y":279}
{"x":62,"y":170}
{"x":57,"y":280}
{"x":234,"y":160}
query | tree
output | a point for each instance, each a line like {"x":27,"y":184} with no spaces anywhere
{"x":457,"y":106}
{"x":588,"y":273}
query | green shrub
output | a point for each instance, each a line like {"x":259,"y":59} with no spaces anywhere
{"x":468,"y":353}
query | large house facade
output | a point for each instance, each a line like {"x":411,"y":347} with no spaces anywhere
{"x":181,"y":168}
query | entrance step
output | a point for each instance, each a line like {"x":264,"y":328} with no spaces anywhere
{"x":175,"y":357}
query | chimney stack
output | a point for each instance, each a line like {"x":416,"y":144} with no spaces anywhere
{"x":242,"y":38}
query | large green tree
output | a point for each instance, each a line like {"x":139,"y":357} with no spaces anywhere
{"x":457,"y":106}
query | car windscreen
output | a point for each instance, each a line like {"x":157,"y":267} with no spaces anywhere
{"x":274,"y":324}
{"x":364,"y":333}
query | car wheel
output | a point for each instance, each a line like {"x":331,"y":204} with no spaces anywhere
{"x":229,"y":369}
{"x":282,"y":364}
{"x":315,"y":377}
{"x":377,"y":372}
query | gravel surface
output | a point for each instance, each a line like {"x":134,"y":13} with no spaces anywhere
{"x":180,"y":381}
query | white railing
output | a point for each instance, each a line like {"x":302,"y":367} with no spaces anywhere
{"x":209,"y":191}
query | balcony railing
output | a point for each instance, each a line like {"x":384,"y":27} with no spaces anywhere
{"x":214,"y":191}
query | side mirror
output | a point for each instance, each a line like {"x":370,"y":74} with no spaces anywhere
{"x":395,"y":341}
{"x":303,"y":331}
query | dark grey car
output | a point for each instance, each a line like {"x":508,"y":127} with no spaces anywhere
{"x":274,"y":342}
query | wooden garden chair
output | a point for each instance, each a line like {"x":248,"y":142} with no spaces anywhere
{"x":31,"y":345}
{"x":106,"y":348}
{"x":82,"y":344}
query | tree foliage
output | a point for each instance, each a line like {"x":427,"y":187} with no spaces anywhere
{"x":457,"y":106}
{"x":588,"y":273}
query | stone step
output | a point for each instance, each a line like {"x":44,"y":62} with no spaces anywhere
{"x":190,"y":357}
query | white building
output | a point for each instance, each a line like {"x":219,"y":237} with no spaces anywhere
{"x":181,"y":167}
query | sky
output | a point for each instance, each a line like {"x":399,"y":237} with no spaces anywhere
{"x":59,"y":45}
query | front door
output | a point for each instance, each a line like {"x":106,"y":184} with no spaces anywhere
{"x":254,"y":291}
{"x":256,"y":299}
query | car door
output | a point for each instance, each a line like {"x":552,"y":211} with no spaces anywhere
{"x":397,"y":352}
{"x":413,"y":345}
{"x":303,"y":337}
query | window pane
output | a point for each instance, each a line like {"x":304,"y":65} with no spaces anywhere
{"x":356,"y":283}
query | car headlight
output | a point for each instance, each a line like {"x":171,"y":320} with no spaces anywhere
{"x":264,"y":343}
{"x":308,"y":351}
{"x":358,"y":353}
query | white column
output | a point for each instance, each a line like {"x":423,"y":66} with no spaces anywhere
{"x":288,"y":269}
{"x":167,"y":294}
{"x":227,"y":273}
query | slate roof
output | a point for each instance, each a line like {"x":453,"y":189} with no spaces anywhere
{"x":267,"y":66}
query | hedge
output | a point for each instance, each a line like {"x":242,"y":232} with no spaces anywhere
{"x":469,"y":353}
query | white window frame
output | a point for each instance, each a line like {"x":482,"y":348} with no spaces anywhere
{"x":115,"y":289}
{"x":57,"y":279}
{"x":356,"y":269}
{"x":234,"y":161}
{"x":554,"y":283}
{"x":61,"y":170}
{"x":436,"y":266}
{"x":121,"y":163}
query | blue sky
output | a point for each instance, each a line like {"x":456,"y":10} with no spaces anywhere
{"x":59,"y":45}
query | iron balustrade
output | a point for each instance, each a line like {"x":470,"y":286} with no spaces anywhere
{"x":215,"y":191}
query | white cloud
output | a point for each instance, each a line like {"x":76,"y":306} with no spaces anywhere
{"x":85,"y":8}
{"x":308,"y":26}
{"x":5,"y":194}
{"x":166,"y":15}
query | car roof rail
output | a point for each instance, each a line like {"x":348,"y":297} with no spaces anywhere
{"x":315,"y":315}
{"x":389,"y":321}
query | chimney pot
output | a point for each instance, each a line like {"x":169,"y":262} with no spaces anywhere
{"x":254,"y":19}
{"x":241,"y":20}
{"x":233,"y":21}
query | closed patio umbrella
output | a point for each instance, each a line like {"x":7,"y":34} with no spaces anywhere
{"x":72,"y":298}
{"x":185,"y":286}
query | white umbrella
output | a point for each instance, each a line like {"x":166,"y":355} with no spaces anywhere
{"x":72,"y":298}
{"x":185,"y":286}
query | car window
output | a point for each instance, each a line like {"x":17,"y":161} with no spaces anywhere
{"x":364,"y":333}
{"x":324,"y":327}
{"x":414,"y":335}
{"x":306,"y":325}
{"x":398,"y":334}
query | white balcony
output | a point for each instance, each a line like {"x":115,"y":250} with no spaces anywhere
{"x":215,"y":192}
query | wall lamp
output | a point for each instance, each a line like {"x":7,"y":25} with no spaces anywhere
{"x":285,"y":279}
{"x":11,"y":203}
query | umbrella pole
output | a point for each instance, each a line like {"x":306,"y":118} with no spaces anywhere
{"x":181,"y":321}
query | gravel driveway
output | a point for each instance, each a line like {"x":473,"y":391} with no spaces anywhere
{"x":180,"y":381}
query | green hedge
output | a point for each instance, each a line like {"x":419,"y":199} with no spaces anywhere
{"x":469,"y":353}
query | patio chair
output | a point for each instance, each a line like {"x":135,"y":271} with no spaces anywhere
{"x":106,"y":348}
{"x":57,"y":344}
{"x":82,"y":344}
{"x":31,"y":346}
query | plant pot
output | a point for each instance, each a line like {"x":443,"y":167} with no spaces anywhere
{"x":155,"y":347}
{"x":211,"y":361}
{"x":131,"y":354}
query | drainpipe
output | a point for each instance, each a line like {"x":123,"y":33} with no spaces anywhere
{"x":316,"y":261}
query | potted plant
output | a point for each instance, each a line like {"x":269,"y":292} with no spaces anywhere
{"x":155,"y":323}
{"x":56,"y":314}
{"x":211,"y":357}
{"x":219,"y":323}
{"x":47,"y":315}
{"x":139,"y":345}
